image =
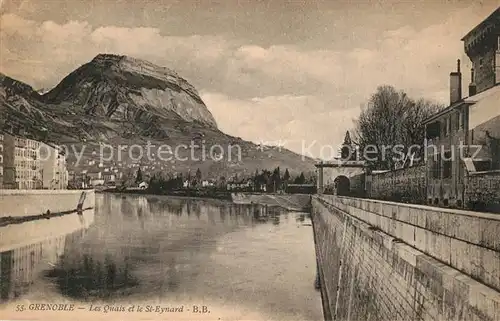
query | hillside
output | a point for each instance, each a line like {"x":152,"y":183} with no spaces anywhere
{"x":119,"y":100}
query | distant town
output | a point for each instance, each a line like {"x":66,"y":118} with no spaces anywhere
{"x":27,"y":163}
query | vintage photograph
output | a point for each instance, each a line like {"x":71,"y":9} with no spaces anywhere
{"x":250,"y":160}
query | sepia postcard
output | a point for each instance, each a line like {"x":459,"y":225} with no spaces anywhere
{"x":250,"y":160}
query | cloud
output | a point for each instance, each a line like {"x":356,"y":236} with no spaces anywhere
{"x":12,"y":24}
{"x":282,"y":119}
{"x":415,"y":60}
{"x":290,"y":61}
{"x":63,"y":47}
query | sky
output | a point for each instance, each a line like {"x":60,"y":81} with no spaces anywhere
{"x":293,"y":73}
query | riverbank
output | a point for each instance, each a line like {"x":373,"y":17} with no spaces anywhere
{"x":221,"y":195}
{"x":20,"y":205}
{"x":290,"y":202}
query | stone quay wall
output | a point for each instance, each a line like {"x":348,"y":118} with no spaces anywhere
{"x":388,"y":261}
{"x":293,"y":202}
{"x":21,"y":203}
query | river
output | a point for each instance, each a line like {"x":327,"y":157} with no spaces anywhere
{"x":174,"y":258}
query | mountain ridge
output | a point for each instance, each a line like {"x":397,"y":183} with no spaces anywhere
{"x":115,"y":99}
{"x":108,"y":84}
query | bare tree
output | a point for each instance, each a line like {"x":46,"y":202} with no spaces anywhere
{"x":390,"y":124}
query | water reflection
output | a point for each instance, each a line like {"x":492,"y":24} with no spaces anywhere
{"x":85,"y":277}
{"x":141,"y":243}
{"x":21,"y":266}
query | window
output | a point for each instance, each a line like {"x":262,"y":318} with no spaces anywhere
{"x":458,"y":119}
{"x":446,"y":126}
{"x":436,"y":172}
{"x":482,"y":165}
{"x":447,"y":165}
{"x":480,"y":62}
{"x":433,"y":130}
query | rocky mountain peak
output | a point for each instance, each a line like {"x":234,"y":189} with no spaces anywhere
{"x":127,"y":63}
{"x":124,"y":88}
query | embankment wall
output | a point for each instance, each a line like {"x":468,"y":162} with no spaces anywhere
{"x":18,"y":235}
{"x":294,"y":202}
{"x":391,"y":261}
{"x":20,"y":203}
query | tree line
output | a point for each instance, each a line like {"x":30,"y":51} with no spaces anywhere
{"x":274,"y":181}
{"x":271,"y":181}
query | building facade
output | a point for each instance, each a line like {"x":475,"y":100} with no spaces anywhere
{"x":481,"y":46}
{"x":54,"y":172}
{"x":21,"y":163}
{"x":464,"y":138}
{"x":30,"y":164}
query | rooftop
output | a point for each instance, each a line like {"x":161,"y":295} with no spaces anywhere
{"x":484,"y":106}
{"x":493,"y":91}
{"x":443,"y":111}
{"x":488,"y":95}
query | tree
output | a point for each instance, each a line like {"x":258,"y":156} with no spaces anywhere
{"x":87,"y":180}
{"x":188,"y":178}
{"x":198,"y":177}
{"x":276,"y":178}
{"x":266,"y":179}
{"x":255,"y":179}
{"x":222,"y":182}
{"x":154,"y":183}
{"x":348,"y":150}
{"x":138,"y":176}
{"x":301,"y":179}
{"x":286,"y":176}
{"x":389,"y":125}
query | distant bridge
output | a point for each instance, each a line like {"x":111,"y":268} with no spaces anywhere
{"x":340,"y":177}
